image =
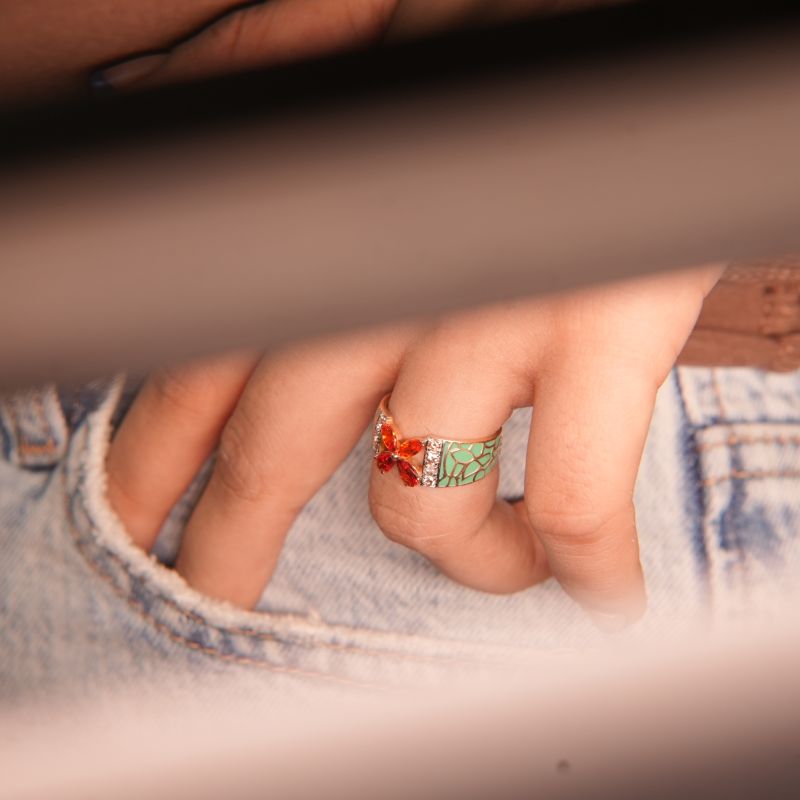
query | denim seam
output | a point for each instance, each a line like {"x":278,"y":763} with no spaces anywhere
{"x":739,"y":422}
{"x":24,"y":446}
{"x":736,"y":498}
{"x":52,"y":440}
{"x":6,"y":442}
{"x":717,"y":390}
{"x":745,"y":475}
{"x":735,"y":441}
{"x":183,"y":640}
{"x":699,"y":538}
{"x":15,"y":434}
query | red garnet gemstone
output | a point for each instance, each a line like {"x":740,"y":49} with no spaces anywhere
{"x":409,"y":448}
{"x":408,"y":473}
{"x":384,"y":461}
{"x":388,"y":438}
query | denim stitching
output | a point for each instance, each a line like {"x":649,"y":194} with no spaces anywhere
{"x":5,"y":441}
{"x":179,"y":638}
{"x":746,"y":475}
{"x":692,"y":455}
{"x":715,"y":387}
{"x":737,"y":496}
{"x":15,"y":434}
{"x":741,"y":421}
{"x":25,"y":447}
{"x":734,"y":441}
{"x":38,"y":401}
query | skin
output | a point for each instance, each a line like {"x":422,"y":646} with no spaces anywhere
{"x":48,"y":47}
{"x":590,"y":362}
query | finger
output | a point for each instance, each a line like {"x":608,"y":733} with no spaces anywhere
{"x":417,"y":17}
{"x":260,"y":36}
{"x":166,"y":436}
{"x":300,"y":416}
{"x":590,"y":423}
{"x":473,"y":537}
{"x":420,"y":17}
{"x":49,"y":45}
{"x":594,"y":399}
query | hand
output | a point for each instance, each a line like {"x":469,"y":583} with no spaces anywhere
{"x":590,"y":363}
{"x":278,"y":31}
{"x":50,"y":47}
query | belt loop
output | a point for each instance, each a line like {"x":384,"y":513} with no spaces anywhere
{"x":33,"y":430}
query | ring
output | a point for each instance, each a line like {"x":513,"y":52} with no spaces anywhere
{"x":432,"y":461}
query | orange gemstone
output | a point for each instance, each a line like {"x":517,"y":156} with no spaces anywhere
{"x":408,"y":473}
{"x":384,"y":461}
{"x":409,"y":448}
{"x":388,"y":438}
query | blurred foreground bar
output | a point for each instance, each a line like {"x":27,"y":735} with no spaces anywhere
{"x":694,"y":719}
{"x":363,"y":188}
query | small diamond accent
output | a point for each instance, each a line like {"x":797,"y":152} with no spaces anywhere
{"x":430,"y":468}
{"x":376,"y":437}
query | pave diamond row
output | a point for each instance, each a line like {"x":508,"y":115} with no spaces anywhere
{"x":376,"y":437}
{"x":430,"y":465}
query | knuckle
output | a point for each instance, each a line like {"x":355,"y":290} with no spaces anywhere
{"x":591,"y":534}
{"x":456,"y":330}
{"x":368,"y":20}
{"x":230,"y":37}
{"x":184,"y":390}
{"x":593,"y":552}
{"x":404,"y":524}
{"x":503,"y":356}
{"x":423,"y":522}
{"x":397,"y":525}
{"x":244,"y":477}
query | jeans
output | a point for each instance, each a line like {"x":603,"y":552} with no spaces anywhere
{"x":718,"y":508}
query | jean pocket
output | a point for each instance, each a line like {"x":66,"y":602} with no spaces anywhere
{"x":750,"y":475}
{"x":153,"y":615}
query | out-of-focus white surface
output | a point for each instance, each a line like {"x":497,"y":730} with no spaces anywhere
{"x":690,"y":716}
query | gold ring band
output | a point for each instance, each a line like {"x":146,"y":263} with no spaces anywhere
{"x":432,"y":461}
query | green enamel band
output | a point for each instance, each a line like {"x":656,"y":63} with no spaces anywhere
{"x":463,"y":463}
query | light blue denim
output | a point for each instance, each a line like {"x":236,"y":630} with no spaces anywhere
{"x":718,"y":505}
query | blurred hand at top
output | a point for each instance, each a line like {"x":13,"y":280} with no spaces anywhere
{"x":51,"y":47}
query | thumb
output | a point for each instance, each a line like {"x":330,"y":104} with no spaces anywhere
{"x":255,"y":37}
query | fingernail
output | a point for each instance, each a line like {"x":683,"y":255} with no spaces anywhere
{"x":126,"y":74}
{"x":610,"y":623}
